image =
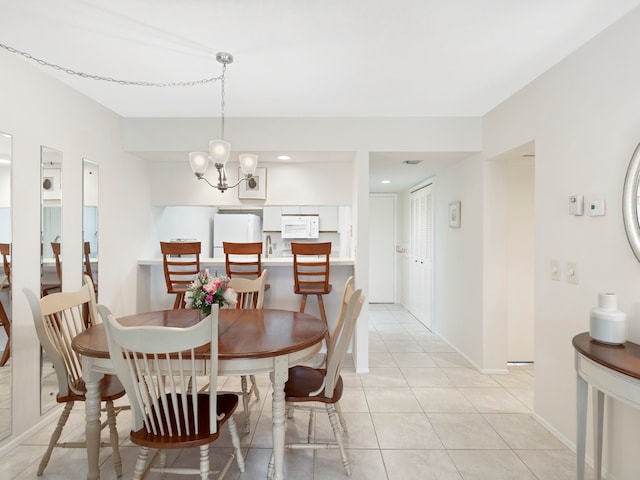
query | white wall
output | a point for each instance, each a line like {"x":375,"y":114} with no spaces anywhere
{"x":37,"y":110}
{"x":458,"y":259}
{"x":520,"y":263}
{"x":583,"y":117}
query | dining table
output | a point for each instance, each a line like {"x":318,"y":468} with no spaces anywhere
{"x":250,"y":341}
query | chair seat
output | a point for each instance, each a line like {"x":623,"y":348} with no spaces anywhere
{"x":303,"y":380}
{"x":226,"y":404}
{"x":110,"y":389}
{"x":310,"y":290}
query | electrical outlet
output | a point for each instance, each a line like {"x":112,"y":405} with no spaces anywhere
{"x":555,"y":270}
{"x":572,"y":273}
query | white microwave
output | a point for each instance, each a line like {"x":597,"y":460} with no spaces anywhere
{"x":300,"y":226}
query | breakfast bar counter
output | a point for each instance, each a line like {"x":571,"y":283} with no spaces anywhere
{"x":152,"y":292}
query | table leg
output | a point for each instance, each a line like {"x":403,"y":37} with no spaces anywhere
{"x":92,"y":413}
{"x":598,"y":415}
{"x":279,"y":377}
{"x":582,"y":392}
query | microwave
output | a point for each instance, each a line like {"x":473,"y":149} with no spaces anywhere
{"x":300,"y":226}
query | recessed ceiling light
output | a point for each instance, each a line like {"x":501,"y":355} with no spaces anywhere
{"x":385,"y":181}
{"x":283,"y":157}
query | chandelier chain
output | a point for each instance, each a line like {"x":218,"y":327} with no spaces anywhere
{"x":119,"y":81}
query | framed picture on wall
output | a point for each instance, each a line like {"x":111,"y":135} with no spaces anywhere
{"x":51,"y":184}
{"x":255,"y":187}
{"x":454,"y":215}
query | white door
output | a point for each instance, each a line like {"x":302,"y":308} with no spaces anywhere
{"x":421,"y":274}
{"x":382,"y":214}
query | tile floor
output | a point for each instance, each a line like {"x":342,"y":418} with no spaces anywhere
{"x":421,"y":413}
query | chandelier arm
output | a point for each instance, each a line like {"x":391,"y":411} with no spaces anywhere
{"x":248,"y":177}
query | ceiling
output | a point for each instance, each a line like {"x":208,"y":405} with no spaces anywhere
{"x":331,"y":58}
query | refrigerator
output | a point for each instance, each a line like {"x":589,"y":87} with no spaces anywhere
{"x":235,"y":227}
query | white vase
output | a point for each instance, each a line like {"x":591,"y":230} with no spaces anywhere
{"x":607,"y":324}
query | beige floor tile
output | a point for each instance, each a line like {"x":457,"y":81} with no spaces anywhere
{"x":525,"y":395}
{"x":354,"y":400}
{"x":405,"y":431}
{"x":384,"y":377}
{"x":381,"y":359}
{"x":360,"y":430}
{"x":416,"y":359}
{"x":494,"y":400}
{"x":490,"y":465}
{"x":522,"y":431}
{"x":450,"y":359}
{"x":467,"y":377}
{"x":443,"y":400}
{"x":383,"y":399}
{"x":515,"y":379}
{"x":403,"y":346}
{"x":419,"y":464}
{"x":426,"y":377}
{"x":553,"y":464}
{"x":365,"y":465}
{"x":465,"y":431}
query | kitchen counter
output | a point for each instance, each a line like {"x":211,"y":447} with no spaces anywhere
{"x":266,"y":262}
{"x":152,"y":291}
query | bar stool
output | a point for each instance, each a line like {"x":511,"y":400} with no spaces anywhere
{"x":243,"y":260}
{"x":311,"y":272}
{"x":181,"y":261}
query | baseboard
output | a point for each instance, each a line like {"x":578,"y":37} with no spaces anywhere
{"x":19,"y":439}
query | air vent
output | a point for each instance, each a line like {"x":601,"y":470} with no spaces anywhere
{"x":412,"y":162}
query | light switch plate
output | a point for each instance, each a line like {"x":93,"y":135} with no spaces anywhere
{"x":555,"y":270}
{"x":572,"y":273}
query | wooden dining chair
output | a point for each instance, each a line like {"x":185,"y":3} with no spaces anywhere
{"x":243,"y":260}
{"x":58,"y":318}
{"x":311,"y":272}
{"x":324,"y":385}
{"x":181,"y":261}
{"x":5,"y":282}
{"x":5,"y":251}
{"x":55,"y":286}
{"x":87,"y":264}
{"x":156,"y":365}
{"x":250,"y":295}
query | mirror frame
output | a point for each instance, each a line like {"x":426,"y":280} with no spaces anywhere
{"x":47,"y":393}
{"x":94,"y":166}
{"x":5,"y":431}
{"x":630,"y":202}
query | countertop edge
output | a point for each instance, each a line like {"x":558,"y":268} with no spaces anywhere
{"x":280,"y":261}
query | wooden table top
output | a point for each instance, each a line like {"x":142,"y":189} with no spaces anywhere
{"x":241,"y":333}
{"x":623,"y":358}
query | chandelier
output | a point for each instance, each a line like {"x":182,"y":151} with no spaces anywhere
{"x":219,"y":150}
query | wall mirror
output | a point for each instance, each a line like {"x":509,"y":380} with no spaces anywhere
{"x":630,"y":196}
{"x":5,"y":285}
{"x":50,"y":251}
{"x":90,"y":220}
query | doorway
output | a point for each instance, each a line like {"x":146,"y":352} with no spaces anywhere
{"x":382,"y":241}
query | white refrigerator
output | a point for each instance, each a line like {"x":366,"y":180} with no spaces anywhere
{"x":235,"y":227}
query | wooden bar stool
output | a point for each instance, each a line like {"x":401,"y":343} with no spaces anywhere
{"x":311,"y":272}
{"x":5,"y":323}
{"x":243,"y":260}
{"x":181,"y":262}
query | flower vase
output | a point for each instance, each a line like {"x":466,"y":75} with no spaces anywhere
{"x":607,"y":324}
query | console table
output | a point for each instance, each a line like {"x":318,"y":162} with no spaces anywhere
{"x":612,"y":370}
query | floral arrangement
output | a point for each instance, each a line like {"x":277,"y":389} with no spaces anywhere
{"x":207,"y":290}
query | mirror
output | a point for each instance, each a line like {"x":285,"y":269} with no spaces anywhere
{"x":90,"y":221}
{"x":51,"y":259}
{"x":5,"y":285}
{"x":630,"y":196}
